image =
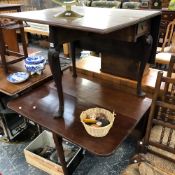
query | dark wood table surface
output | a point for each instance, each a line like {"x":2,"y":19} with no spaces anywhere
{"x":101,"y":26}
{"x":99,"y":20}
{"x":80,"y":94}
{"x":128,"y":34}
{"x":11,"y":89}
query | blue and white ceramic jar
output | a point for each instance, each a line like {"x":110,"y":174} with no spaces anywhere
{"x":35,"y":64}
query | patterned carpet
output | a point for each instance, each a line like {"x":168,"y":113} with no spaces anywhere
{"x":12,"y":161}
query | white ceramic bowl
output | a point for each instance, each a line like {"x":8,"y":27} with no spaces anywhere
{"x":35,"y":64}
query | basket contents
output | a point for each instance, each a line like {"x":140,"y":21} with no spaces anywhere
{"x":97,"y":121}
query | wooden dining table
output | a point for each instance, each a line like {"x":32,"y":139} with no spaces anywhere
{"x":57,"y":105}
{"x":130,"y":35}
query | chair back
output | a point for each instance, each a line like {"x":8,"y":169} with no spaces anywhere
{"x":160,"y":133}
{"x":169,"y":35}
{"x":131,"y":5}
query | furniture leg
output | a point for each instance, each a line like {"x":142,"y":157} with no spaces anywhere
{"x":4,"y":127}
{"x":147,"y":45}
{"x":66,"y":49}
{"x":73,"y":48}
{"x":58,"y":143}
{"x":2,"y":51}
{"x":26,"y":38}
{"x":39,"y":128}
{"x":23,"y":38}
{"x":54,"y":62}
{"x":2,"y":105}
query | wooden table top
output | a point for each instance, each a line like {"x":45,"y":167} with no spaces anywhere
{"x":99,"y":20}
{"x":13,"y":89}
{"x":80,"y":94}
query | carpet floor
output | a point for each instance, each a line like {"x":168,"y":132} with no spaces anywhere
{"x":12,"y":160}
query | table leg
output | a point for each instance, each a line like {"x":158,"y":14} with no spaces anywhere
{"x":2,"y":105}
{"x":73,"y":56}
{"x":147,"y":45}
{"x":54,"y":62}
{"x":23,"y":38}
{"x":2,"y":51}
{"x":58,"y":143}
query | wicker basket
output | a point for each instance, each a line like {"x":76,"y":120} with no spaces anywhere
{"x":97,"y":131}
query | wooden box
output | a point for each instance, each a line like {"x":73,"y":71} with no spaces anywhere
{"x":45,"y":138}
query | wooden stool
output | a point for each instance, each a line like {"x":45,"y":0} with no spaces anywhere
{"x":8,"y":54}
{"x":5,"y":51}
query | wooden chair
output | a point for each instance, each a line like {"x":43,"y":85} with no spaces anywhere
{"x":164,"y":100}
{"x":164,"y":53}
{"x":160,"y":134}
{"x":158,"y":144}
{"x":168,"y":35}
{"x":8,"y":55}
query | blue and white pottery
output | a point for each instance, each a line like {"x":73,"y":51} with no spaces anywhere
{"x":35,"y":64}
{"x":18,"y":77}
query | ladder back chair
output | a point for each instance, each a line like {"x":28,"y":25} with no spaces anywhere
{"x":168,"y":47}
{"x":157,"y":153}
{"x":168,"y":35}
{"x":160,"y":133}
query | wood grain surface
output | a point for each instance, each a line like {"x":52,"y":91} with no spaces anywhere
{"x":80,"y":94}
{"x":99,"y":20}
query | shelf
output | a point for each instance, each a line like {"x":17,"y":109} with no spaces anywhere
{"x":14,"y":89}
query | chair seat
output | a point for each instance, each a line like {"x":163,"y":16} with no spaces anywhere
{"x":163,"y":58}
{"x":166,"y":49}
{"x":132,"y":169}
{"x":150,"y":165}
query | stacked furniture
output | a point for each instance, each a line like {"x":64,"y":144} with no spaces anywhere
{"x":167,"y":17}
